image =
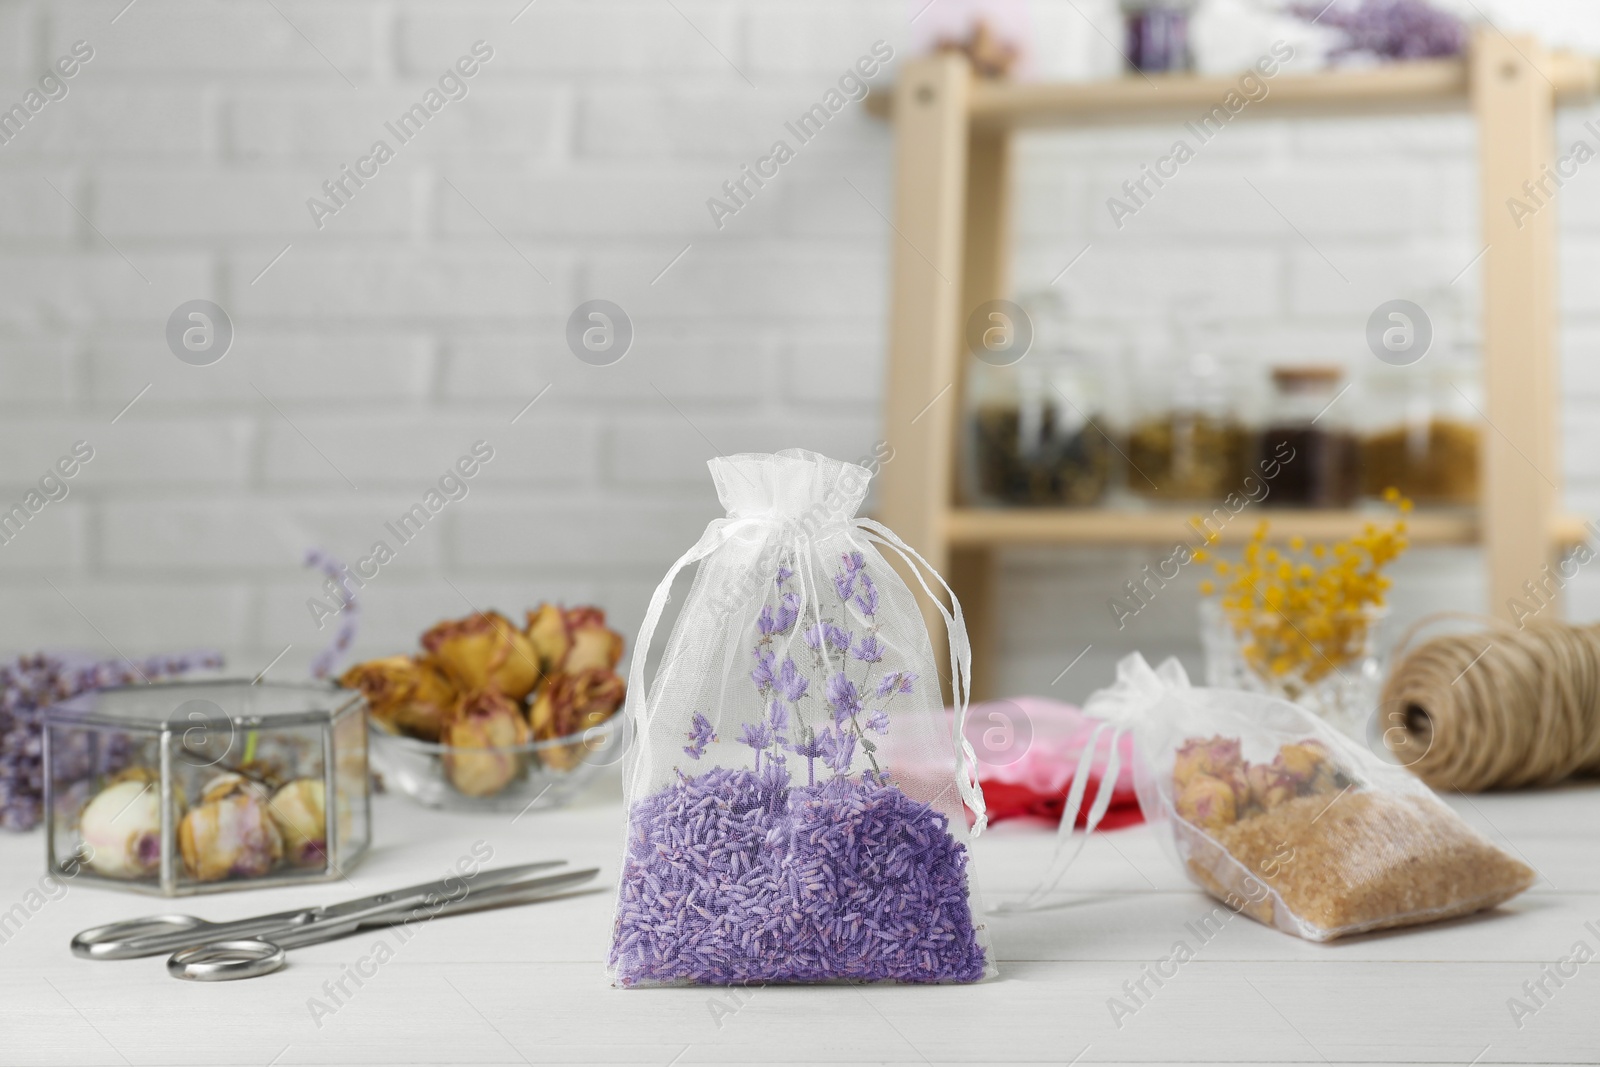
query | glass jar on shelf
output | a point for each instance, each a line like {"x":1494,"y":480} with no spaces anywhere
{"x":1189,"y":441}
{"x":1422,"y":433}
{"x":1157,"y":35}
{"x":1307,"y":451}
{"x":1036,"y":434}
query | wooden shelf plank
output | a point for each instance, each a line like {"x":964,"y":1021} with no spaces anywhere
{"x":1167,"y":527}
{"x":1398,"y":88}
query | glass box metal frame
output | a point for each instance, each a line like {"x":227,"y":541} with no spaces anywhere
{"x":179,"y":736}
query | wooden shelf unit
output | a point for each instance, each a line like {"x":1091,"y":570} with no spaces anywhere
{"x":952,"y":253}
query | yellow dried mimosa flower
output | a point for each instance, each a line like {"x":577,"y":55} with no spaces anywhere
{"x":1300,"y":616}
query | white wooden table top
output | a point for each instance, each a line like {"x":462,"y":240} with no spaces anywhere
{"x":526,"y":985}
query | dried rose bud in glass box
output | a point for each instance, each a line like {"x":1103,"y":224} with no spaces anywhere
{"x":195,"y":787}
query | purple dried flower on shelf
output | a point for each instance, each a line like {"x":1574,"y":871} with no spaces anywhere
{"x":842,"y":698}
{"x":762,"y":675}
{"x":867,"y":596}
{"x":791,"y":683}
{"x":868,"y":650}
{"x":896,"y":682}
{"x":1390,"y":29}
{"x":700,"y":736}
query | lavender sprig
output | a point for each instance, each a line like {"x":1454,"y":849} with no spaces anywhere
{"x":34,"y":683}
{"x":349,"y":612}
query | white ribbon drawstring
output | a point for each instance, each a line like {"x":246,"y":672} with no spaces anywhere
{"x":955,"y":626}
{"x":717,"y":533}
{"x":1137,"y":688}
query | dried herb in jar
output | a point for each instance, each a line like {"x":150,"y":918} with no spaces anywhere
{"x":1189,"y":456}
{"x":1436,"y":463}
{"x":1043,"y":465}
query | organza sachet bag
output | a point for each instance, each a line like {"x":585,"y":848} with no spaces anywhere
{"x":794,"y":792}
{"x":1280,"y":816}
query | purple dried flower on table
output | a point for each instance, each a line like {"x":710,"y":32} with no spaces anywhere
{"x":867,"y":595}
{"x":868,"y":650}
{"x":700,"y":736}
{"x":762,"y":675}
{"x":33,"y":683}
{"x":791,"y":683}
{"x":896,"y":682}
{"x":842,"y":697}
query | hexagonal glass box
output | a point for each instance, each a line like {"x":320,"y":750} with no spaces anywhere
{"x":197,"y":787}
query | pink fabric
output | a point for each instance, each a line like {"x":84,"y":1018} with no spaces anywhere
{"x":1028,"y":749}
{"x":1047,"y":762}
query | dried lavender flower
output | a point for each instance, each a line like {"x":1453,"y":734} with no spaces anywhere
{"x":730,"y":878}
{"x":791,"y":683}
{"x":33,"y":683}
{"x":700,"y":735}
{"x":338,"y":579}
{"x":738,"y":875}
{"x":1390,"y":29}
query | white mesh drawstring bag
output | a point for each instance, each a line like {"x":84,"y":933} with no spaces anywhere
{"x":795,"y":798}
{"x":1280,"y":816}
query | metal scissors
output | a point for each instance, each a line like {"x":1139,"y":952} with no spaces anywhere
{"x":248,"y":948}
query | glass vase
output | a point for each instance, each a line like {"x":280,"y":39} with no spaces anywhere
{"x":1341,"y":688}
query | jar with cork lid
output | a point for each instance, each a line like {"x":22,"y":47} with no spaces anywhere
{"x":1308,"y":441}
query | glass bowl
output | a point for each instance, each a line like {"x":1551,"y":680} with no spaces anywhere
{"x":539,"y":774}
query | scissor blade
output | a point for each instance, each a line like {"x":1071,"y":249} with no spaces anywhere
{"x":526,"y":892}
{"x":450,"y":887}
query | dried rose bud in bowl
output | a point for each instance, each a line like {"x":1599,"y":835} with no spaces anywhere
{"x":483,"y":742}
{"x":412,"y":695}
{"x":493,"y":717}
{"x":484,"y":651}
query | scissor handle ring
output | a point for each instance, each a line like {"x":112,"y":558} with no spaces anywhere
{"x":123,"y":940}
{"x":223,"y":961}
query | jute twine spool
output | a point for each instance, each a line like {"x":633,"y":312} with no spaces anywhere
{"x":1496,"y":709}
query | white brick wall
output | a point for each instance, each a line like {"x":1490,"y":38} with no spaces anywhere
{"x":416,"y":321}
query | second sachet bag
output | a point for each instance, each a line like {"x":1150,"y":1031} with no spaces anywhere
{"x":1280,"y":816}
{"x":795,"y":796}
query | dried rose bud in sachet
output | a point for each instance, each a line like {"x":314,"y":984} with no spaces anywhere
{"x":795,"y":796}
{"x":1281,"y":817}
